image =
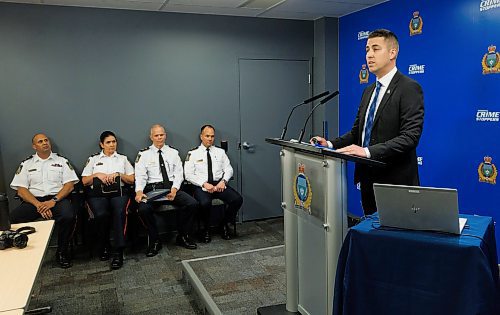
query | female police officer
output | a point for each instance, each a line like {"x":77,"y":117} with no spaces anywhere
{"x":105,"y":173}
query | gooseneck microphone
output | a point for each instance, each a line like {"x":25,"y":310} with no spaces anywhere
{"x":323,"y":101}
{"x":309,"y":100}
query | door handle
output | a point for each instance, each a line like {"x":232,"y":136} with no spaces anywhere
{"x":247,"y":146}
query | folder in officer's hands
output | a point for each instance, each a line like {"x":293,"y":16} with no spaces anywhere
{"x":105,"y":190}
{"x":157,"y":195}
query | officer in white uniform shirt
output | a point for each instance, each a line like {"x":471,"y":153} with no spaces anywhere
{"x":160,"y":167}
{"x":43,"y":181}
{"x":208,"y":168}
{"x":105,"y":174}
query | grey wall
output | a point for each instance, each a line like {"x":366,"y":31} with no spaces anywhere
{"x":326,"y":69}
{"x":74,"y":72}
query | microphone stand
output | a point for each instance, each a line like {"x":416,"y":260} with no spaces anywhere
{"x":323,"y":101}
{"x":303,"y":103}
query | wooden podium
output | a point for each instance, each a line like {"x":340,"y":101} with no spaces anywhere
{"x":313,"y":190}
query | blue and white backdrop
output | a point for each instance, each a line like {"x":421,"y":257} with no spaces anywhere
{"x":452,"y":48}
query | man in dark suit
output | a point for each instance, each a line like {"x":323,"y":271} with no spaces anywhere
{"x":388,"y":124}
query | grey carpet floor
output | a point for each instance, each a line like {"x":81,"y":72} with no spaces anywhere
{"x":243,"y":282}
{"x":154,"y":285}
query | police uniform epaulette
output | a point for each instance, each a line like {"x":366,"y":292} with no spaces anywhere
{"x":67,"y":161}
{"x":145,"y":149}
{"x":29,"y":157}
{"x":171,"y":147}
{"x":95,"y":154}
{"x":60,"y":155}
{"x":194,"y":148}
{"x":119,"y":153}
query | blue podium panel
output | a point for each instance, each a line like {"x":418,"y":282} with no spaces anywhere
{"x":389,"y":271}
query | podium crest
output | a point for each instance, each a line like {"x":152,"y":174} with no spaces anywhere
{"x":487,"y":171}
{"x":302,"y":190}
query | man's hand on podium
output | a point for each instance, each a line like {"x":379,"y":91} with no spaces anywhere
{"x":318,"y":140}
{"x":353,"y":149}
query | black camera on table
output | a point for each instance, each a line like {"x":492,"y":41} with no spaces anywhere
{"x":17,"y":238}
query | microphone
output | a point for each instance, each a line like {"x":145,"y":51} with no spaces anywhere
{"x":303,"y":103}
{"x":323,"y":101}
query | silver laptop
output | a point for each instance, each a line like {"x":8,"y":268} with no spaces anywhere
{"x":418,"y":208}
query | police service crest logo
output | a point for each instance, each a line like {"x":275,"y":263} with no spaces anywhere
{"x":302,"y":190}
{"x":363,"y":75}
{"x":491,"y":61}
{"x":416,"y":24}
{"x":487,"y":171}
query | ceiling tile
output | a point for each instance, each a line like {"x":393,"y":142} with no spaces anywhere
{"x":208,"y":3}
{"x":152,"y":5}
{"x":285,"y":9}
{"x":261,"y":4}
{"x":22,"y":1}
{"x":211,"y":10}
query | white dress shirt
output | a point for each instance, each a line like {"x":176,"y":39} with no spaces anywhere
{"x":196,"y":166}
{"x":147,"y":167}
{"x":101,"y":163}
{"x":44,"y":177}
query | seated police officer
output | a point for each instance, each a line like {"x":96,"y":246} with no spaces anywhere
{"x":160,"y":167}
{"x":43,"y":181}
{"x":105,"y":173}
{"x":209,"y":169}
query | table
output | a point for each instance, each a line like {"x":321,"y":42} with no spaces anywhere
{"x":19,"y":267}
{"x":389,"y":271}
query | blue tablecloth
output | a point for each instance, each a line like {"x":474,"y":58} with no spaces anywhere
{"x":418,"y":273}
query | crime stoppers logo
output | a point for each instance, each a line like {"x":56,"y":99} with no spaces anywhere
{"x":491,"y":60}
{"x":416,"y":24}
{"x":364,"y":34}
{"x":486,"y":5}
{"x":416,"y":69}
{"x":364,"y":74}
{"x":487,"y":171}
{"x":485,"y":115}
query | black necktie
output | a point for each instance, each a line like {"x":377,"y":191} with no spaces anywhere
{"x":209,"y":163}
{"x":164,"y":173}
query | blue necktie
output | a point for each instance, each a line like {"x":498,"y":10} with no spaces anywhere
{"x":371,"y":115}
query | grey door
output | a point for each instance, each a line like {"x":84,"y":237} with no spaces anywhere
{"x":268,"y":90}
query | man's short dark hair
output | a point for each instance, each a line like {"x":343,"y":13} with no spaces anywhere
{"x":206,"y":126}
{"x":387,"y":35}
